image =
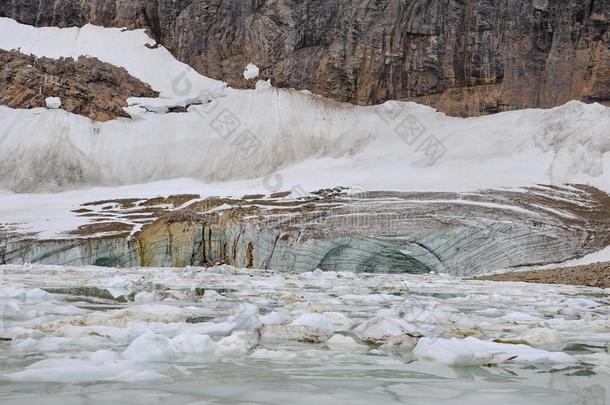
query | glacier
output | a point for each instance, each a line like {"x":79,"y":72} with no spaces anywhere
{"x":230,"y":143}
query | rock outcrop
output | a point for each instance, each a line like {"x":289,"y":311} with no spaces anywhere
{"x":85,"y":86}
{"x":460,"y":234}
{"x":465,"y":57}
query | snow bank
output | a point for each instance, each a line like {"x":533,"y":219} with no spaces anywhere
{"x":280,"y":139}
{"x":295,"y":139}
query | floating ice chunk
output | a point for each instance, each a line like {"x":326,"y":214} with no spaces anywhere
{"x":120,"y":336}
{"x":19,"y":332}
{"x":381,"y":327}
{"x":53,"y":103}
{"x":274,"y":355}
{"x":519,"y":317}
{"x":189,"y":345}
{"x":56,"y":343}
{"x":488,"y":312}
{"x":275,"y":318}
{"x":315,"y":321}
{"x":11,"y":292}
{"x":544,"y":338}
{"x":101,"y":356}
{"x":98,"y":367}
{"x":145,"y":297}
{"x":144,"y":313}
{"x":211,"y":295}
{"x":246,"y":317}
{"x":369,"y":298}
{"x":271,"y":282}
{"x":12,"y":310}
{"x":402,"y":342}
{"x":214,"y":328}
{"x":340,"y":342}
{"x":251,"y":72}
{"x":339,"y":320}
{"x":581,"y":303}
{"x":117,"y":286}
{"x":222,"y":269}
{"x":297,"y":333}
{"x":319,"y":273}
{"x":601,"y":361}
{"x":149,"y":348}
{"x":474,"y":352}
{"x":239,"y":342}
{"x":36,"y":296}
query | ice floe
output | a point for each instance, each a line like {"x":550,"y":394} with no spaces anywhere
{"x":474,"y":352}
{"x":54,"y":322}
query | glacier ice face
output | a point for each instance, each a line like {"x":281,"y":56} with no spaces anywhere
{"x":374,"y":232}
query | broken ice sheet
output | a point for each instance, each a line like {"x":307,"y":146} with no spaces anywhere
{"x":316,"y":335}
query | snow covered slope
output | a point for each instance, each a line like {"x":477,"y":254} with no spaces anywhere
{"x":249,"y":134}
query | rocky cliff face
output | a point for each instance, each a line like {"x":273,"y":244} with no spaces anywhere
{"x":465,"y":57}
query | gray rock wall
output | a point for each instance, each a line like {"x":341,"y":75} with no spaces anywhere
{"x":465,"y":57}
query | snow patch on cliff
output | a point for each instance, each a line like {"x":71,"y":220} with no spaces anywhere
{"x":251,"y":72}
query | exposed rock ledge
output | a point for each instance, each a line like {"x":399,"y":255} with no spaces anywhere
{"x":460,"y":234}
{"x":86,"y":86}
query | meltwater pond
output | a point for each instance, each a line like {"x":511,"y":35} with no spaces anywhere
{"x":223,"y":335}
